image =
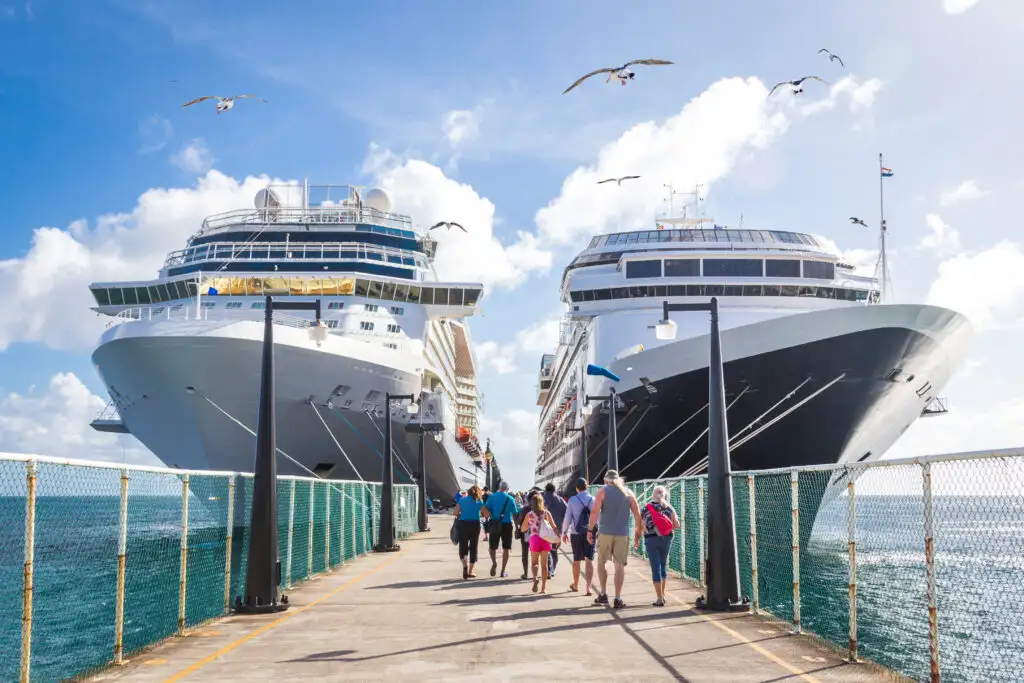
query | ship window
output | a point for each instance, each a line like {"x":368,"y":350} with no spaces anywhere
{"x":734,"y":290}
{"x":620,"y":292}
{"x":714,"y":290}
{"x":362,"y":287}
{"x":233,"y":304}
{"x":335,"y":305}
{"x":209,"y":304}
{"x":142,"y":293}
{"x":258,"y":305}
{"x":414,"y":294}
{"x":689,"y":267}
{"x":751,"y":290}
{"x":164,"y":295}
{"x":820,"y":270}
{"x":635,"y":292}
{"x":364,"y":325}
{"x":808,"y":291}
{"x":826,"y":293}
{"x":772,"y":290}
{"x":440,"y":296}
{"x":401,"y":294}
{"x":374,"y":290}
{"x":455,"y":297}
{"x":657,"y":290}
{"x":588,"y":294}
{"x":191,"y":288}
{"x":736,"y":267}
{"x":394,"y":329}
{"x":332,"y":323}
{"x":472,"y":296}
{"x":677,"y":290}
{"x":397,"y":310}
{"x":102,"y":296}
{"x":387,"y":291}
{"x":695,"y":290}
{"x":781,"y":268}
{"x":638,"y":269}
{"x":602,"y":294}
{"x":370,"y":308}
{"x":576,"y":295}
{"x":427,"y":296}
{"x":860,"y":295}
{"x":789,"y":291}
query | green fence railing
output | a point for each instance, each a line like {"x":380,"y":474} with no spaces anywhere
{"x":108,"y":559}
{"x":890,"y":561}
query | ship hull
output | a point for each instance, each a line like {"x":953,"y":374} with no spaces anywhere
{"x":190,"y":393}
{"x":856,"y":418}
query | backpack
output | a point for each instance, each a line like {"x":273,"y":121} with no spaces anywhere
{"x":662,"y":522}
{"x":583,"y":521}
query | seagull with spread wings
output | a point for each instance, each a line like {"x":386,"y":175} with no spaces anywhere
{"x":617,"y":181}
{"x":796,"y":84}
{"x":623,"y":73}
{"x":857,"y":221}
{"x":223,"y":103}
{"x":447,"y":224}
{"x":832,"y":57}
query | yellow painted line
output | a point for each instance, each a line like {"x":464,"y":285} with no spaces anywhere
{"x":771,"y":656}
{"x":287,"y":615}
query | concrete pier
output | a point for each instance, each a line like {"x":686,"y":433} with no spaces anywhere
{"x":410,"y":616}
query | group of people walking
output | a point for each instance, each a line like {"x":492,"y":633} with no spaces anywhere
{"x":590,"y":524}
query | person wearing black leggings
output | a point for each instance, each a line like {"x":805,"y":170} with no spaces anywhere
{"x":524,"y":537}
{"x":467,"y":514}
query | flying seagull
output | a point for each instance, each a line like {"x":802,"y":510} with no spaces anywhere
{"x":796,"y":84}
{"x":623,"y":73}
{"x":223,"y":103}
{"x":832,"y":57}
{"x":857,"y":221}
{"x":618,"y":181}
{"x":447,"y":224}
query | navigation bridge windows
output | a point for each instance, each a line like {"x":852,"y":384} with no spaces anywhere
{"x":637,"y":268}
{"x":419,"y":293}
{"x":726,"y":235}
{"x":635,"y":291}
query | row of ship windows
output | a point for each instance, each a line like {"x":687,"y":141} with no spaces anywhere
{"x":736,"y":267}
{"x":718,"y":235}
{"x":841,"y":293}
{"x":280,"y":286}
{"x":333,"y":306}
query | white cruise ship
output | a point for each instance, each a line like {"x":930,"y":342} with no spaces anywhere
{"x":181,"y":355}
{"x":817,"y":369}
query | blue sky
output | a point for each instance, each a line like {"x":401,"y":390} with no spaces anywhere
{"x":457,"y":108}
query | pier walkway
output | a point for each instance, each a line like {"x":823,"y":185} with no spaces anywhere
{"x":410,"y":616}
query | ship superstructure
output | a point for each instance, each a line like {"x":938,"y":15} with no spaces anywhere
{"x":181,"y":355}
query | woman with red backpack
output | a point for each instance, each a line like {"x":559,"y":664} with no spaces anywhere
{"x":660,"y":520}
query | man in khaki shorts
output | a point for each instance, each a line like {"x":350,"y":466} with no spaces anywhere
{"x":610,"y":516}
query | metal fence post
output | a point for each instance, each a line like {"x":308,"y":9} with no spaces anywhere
{"x":312,"y":519}
{"x":751,"y":494}
{"x":794,"y":480}
{"x":30,"y":552}
{"x":327,"y":531}
{"x":929,"y":564}
{"x":227,"y":544}
{"x":291,"y":535}
{"x":341,"y":525}
{"x":701,"y":530}
{"x":851,"y":532}
{"x":682,"y":527}
{"x":122,"y":549}
{"x":183,"y":576}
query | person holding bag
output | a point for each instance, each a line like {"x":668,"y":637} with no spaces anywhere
{"x":502,"y":508}
{"x":467,"y":516}
{"x":541,"y":526}
{"x":659,"y":522}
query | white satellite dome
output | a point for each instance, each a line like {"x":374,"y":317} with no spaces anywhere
{"x":378,"y":200}
{"x":267,"y":199}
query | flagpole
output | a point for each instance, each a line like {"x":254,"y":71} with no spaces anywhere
{"x":881,"y":230}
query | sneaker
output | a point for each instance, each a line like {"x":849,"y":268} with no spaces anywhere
{"x":504,"y":575}
{"x":660,"y":602}
{"x":601,"y":599}
{"x":494,"y":568}
{"x":618,"y":604}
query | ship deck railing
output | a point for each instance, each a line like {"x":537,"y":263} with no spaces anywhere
{"x":311,"y":216}
{"x":291,"y":251}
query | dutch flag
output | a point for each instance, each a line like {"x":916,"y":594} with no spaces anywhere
{"x":886,"y":172}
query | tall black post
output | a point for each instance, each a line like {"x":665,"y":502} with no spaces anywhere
{"x":487,"y":452}
{"x":722,"y":568}
{"x":585,"y":470}
{"x":263,"y":569}
{"x":422,"y":481}
{"x":613,"y":439}
{"x":386,"y":532}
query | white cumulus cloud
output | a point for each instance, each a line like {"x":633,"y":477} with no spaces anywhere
{"x":514,"y":442}
{"x":47,"y":290}
{"x":424,"y":192}
{"x":958,"y":6}
{"x":531,"y":341}
{"x":986,"y":286}
{"x":860,"y":95}
{"x":965,"y":191}
{"x":56,"y":421}
{"x":195,"y":157}
{"x":941,"y":238}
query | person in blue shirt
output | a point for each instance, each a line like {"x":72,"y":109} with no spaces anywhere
{"x":501,"y":508}
{"x":467,"y":514}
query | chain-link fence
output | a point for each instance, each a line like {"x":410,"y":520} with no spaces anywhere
{"x":108,"y":559}
{"x":893,"y":561}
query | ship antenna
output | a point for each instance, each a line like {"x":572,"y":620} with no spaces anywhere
{"x":883,"y":264}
